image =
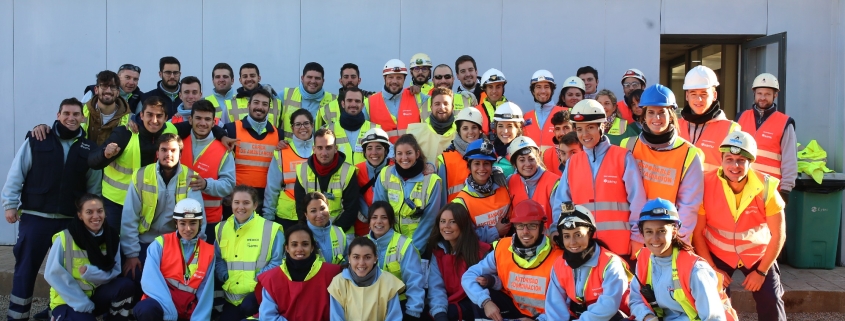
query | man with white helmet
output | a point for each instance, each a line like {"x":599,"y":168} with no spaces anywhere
{"x":605,"y":179}
{"x":538,"y":121}
{"x":394,"y":108}
{"x":704,"y":123}
{"x":774,"y":132}
{"x":493,"y":83}
{"x":741,"y":224}
{"x":633,"y":79}
{"x":421,"y":73}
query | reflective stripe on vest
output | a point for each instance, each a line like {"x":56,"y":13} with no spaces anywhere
{"x":605,"y":195}
{"x":173,"y":263}
{"x":459,"y":101}
{"x":542,"y":134}
{"x":407,"y":223}
{"x":593,"y":284}
{"x":293,"y":101}
{"x":525,"y":281}
{"x":287,"y":161}
{"x":395,"y":125}
{"x":709,"y":139}
{"x":253,"y":156}
{"x":683,"y":263}
{"x":396,"y":249}
{"x":485,"y":210}
{"x":118,"y":174}
{"x":456,"y":173}
{"x":618,"y":128}
{"x":340,"y":179}
{"x":246,"y":251}
{"x":662,"y":170}
{"x":218,"y":106}
{"x":208,"y":164}
{"x":542,"y":192}
{"x":146,"y":185}
{"x":768,"y":138}
{"x":331,"y":113}
{"x":354,"y":151}
{"x":338,"y":240}
{"x":74,"y":258}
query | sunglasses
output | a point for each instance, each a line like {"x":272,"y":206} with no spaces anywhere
{"x":447,"y":76}
{"x":130,"y":67}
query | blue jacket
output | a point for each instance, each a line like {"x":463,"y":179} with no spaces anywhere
{"x":614,"y":286}
{"x":65,"y":285}
{"x":435,"y":202}
{"x":412,"y":273}
{"x":323,"y":235}
{"x":703,"y":286}
{"x":154,"y":285}
{"x":336,"y":312}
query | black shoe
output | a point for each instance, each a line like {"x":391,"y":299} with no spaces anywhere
{"x":43,"y":315}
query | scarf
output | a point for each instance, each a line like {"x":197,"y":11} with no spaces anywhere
{"x":460,"y":144}
{"x":366,"y":280}
{"x":441,"y":127}
{"x":609,"y":124}
{"x":412,"y":172}
{"x":298,"y":269}
{"x":527,"y":252}
{"x":309,"y":96}
{"x":576,"y":260}
{"x":658,"y":139}
{"x":711,"y":113}
{"x":91,"y":244}
{"x":500,"y":147}
{"x":485,"y":188}
{"x":324,"y":170}
{"x":258,"y":126}
{"x":350,"y":122}
{"x":64,"y":132}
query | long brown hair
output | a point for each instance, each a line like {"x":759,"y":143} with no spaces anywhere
{"x":467,"y":246}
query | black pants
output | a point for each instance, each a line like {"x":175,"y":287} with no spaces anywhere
{"x":769,"y":298}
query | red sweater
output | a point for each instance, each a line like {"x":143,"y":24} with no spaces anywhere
{"x":290,"y":296}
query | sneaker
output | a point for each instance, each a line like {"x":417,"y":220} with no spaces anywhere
{"x":43,"y":315}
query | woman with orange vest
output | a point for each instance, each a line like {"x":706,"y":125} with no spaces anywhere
{"x":178,"y":279}
{"x":376,"y":144}
{"x":538,"y":121}
{"x":704,"y":124}
{"x":572,"y":92}
{"x":279,"y":205}
{"x":531,"y":180}
{"x":588,"y":282}
{"x":452,"y":248}
{"x":302,"y":277}
{"x":672,"y":283}
{"x":741,"y":224}
{"x":451,"y":166}
{"x":670,"y":165}
{"x":488,"y":203}
{"x":616,"y":127}
{"x":519,"y":266}
{"x":603,"y":178}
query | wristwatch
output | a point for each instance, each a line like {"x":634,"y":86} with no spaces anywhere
{"x":761,"y":273}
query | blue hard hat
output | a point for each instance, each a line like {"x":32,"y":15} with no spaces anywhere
{"x":658,"y":95}
{"x":659,"y":209}
{"x":480,"y":149}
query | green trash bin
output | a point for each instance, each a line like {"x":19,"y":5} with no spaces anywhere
{"x":813,"y":216}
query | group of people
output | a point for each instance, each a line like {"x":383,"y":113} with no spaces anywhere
{"x":410,"y":203}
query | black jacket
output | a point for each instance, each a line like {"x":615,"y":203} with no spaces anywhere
{"x":169,"y":105}
{"x":349,"y":199}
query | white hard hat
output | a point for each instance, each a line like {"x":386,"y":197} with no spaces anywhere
{"x":574,"y":82}
{"x":634,"y":73}
{"x":187,"y":209}
{"x":740,"y":143}
{"x":766,"y":80}
{"x":420,"y":60}
{"x":470,"y":114}
{"x":542,"y":75}
{"x":521,"y":143}
{"x":492,"y":76}
{"x":394,"y":66}
{"x":700,"y":77}
{"x":588,"y":111}
{"x":375,"y":135}
{"x":508,"y":111}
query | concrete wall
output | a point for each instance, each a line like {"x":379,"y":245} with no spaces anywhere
{"x":51,"y":49}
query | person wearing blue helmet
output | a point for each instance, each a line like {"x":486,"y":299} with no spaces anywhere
{"x":488,"y":202}
{"x":671,"y":166}
{"x":673,"y":283}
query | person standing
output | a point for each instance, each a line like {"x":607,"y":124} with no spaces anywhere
{"x":167,"y":89}
{"x":223,"y":77}
{"x":394,"y":108}
{"x":539,"y":120}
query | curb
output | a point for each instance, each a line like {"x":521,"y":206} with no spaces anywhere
{"x":42,"y":289}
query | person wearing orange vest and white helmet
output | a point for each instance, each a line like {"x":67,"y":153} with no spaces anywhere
{"x":588,"y":282}
{"x":451,"y":166}
{"x":633,"y":79}
{"x":376,"y":145}
{"x":493,"y":83}
{"x":394,"y":108}
{"x":704,"y":123}
{"x":488,"y":201}
{"x":178,"y":280}
{"x":571,"y":93}
{"x":741,"y":224}
{"x":538,"y":121}
{"x":774,"y":132}
{"x":531,"y":180}
{"x":670,"y":165}
{"x":603,"y":178}
{"x":519,"y":266}
{"x":672,"y":282}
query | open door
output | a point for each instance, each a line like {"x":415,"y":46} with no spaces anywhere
{"x":765,"y":54}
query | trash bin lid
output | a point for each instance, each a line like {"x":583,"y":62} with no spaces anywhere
{"x":831,"y":182}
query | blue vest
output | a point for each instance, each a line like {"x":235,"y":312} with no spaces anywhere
{"x":53,"y":185}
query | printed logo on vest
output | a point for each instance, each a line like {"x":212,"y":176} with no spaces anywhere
{"x":767,"y":134}
{"x":490,"y":218}
{"x":658,"y":174}
{"x":611,"y":179}
{"x":260,"y":150}
{"x":707,"y":143}
{"x":526,"y":283}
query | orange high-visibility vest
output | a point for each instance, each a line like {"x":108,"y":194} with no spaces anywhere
{"x":456,"y":173}
{"x":711,"y":138}
{"x":542,"y":134}
{"x":551,"y":161}
{"x":542,"y":192}
{"x":394,"y":125}
{"x":605,"y":196}
{"x":526,"y":286}
{"x":253,"y":156}
{"x":593,"y":287}
{"x":662,"y":170}
{"x":173,"y":269}
{"x":486,"y":211}
{"x":733,"y":240}
{"x":624,"y":111}
{"x":207,"y":165}
{"x":768,"y":138}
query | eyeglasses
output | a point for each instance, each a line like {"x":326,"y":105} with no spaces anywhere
{"x":634,"y":85}
{"x":129,"y":67}
{"x":302,"y":124}
{"x":447,"y":76}
{"x":171,"y":73}
{"x":522,"y":226}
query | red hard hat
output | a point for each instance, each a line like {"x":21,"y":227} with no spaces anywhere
{"x":528,"y":211}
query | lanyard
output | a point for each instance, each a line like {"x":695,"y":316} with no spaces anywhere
{"x":185,"y":263}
